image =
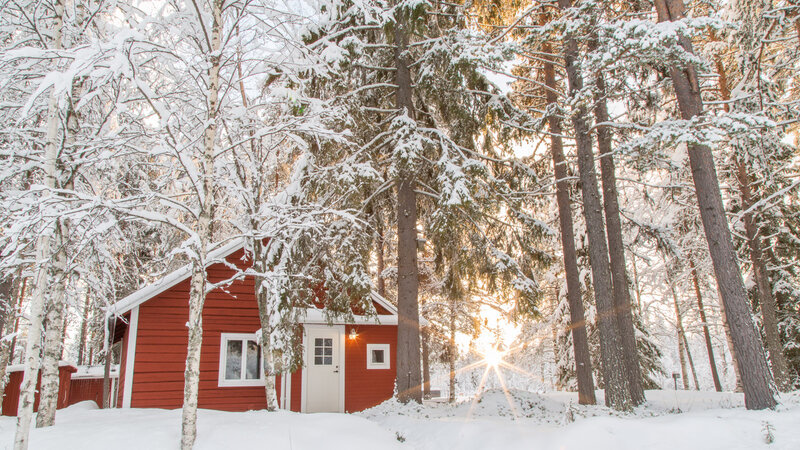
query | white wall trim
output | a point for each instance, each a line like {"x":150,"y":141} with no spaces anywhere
{"x":130,"y":357}
{"x":387,"y":358}
{"x":304,"y":376}
{"x":223,"y":340}
{"x":307,"y":359}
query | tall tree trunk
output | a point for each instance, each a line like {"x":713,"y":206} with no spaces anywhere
{"x":679,"y":331}
{"x":408,"y":358}
{"x":616,"y":248}
{"x":706,"y":333}
{"x":426,"y":366}
{"x":766,"y":299}
{"x":55,"y":320}
{"x":728,"y":337}
{"x":580,"y":341}
{"x":83,"y":333}
{"x":756,"y":378}
{"x":111,"y":327}
{"x":380,"y":256}
{"x":636,"y":287}
{"x":42,"y":262}
{"x":265,"y":312}
{"x":691,"y":361}
{"x":197,"y":293}
{"x":616,"y":385}
{"x":453,"y":351}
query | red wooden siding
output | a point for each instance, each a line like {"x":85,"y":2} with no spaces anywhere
{"x":11,"y":398}
{"x":365,"y":388}
{"x":162,"y":337}
{"x":84,"y":389}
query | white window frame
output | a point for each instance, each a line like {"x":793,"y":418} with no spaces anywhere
{"x":224,"y":338}
{"x":386,"y":364}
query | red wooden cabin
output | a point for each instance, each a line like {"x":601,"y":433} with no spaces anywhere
{"x":347,"y":366}
{"x":15,"y":374}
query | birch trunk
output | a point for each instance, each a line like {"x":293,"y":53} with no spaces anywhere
{"x":408,"y":358}
{"x":580,"y":341}
{"x":197,"y":294}
{"x":55,"y":325}
{"x":111,"y":330}
{"x":756,"y":377}
{"x":265,"y":313}
{"x":706,"y":333}
{"x":617,"y":391}
{"x":53,"y":341}
{"x":83,"y":333}
{"x":43,"y":253}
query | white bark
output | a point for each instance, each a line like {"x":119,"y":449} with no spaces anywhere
{"x":54,"y":329}
{"x":204,"y":233}
{"x":43,"y":253}
{"x":265,"y":311}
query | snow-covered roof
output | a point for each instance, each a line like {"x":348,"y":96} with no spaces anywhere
{"x":146,"y":293}
{"x":95,"y":371}
{"x":20,"y":367}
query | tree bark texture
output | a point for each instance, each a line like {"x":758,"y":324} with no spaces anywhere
{"x":408,"y":353}
{"x":766,"y":300}
{"x":84,"y":331}
{"x":617,"y":392}
{"x":452,"y":352}
{"x":265,"y":316}
{"x":43,"y":252}
{"x":616,"y":248}
{"x":197,"y":293}
{"x":111,"y":327}
{"x":706,"y":332}
{"x":426,"y":366}
{"x":756,"y":377}
{"x":580,"y":341}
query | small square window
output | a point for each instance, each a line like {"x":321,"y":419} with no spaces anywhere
{"x":378,"y":356}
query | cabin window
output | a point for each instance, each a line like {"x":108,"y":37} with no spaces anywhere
{"x":240,"y":360}
{"x":323,"y":351}
{"x":378,"y":356}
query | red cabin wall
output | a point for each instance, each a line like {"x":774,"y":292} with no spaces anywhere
{"x":12,"y":391}
{"x":162,"y":339}
{"x":88,"y":389}
{"x":365,"y":388}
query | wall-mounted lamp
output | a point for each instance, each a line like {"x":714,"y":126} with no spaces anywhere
{"x":353,"y":334}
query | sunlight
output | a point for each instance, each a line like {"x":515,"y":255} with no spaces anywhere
{"x":493,"y":357}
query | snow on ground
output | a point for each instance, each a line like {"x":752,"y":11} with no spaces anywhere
{"x":670,"y":420}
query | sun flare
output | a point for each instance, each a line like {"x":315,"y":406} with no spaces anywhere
{"x":493,"y":357}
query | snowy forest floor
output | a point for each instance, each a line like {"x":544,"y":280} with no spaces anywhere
{"x":669,"y":420}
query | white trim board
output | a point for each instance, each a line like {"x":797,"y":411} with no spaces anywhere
{"x":130,"y":357}
{"x":242,"y":337}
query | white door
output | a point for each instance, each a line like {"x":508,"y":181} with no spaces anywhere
{"x":324,"y":369}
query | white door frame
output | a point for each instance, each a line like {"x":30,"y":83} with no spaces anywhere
{"x":307,"y":359}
